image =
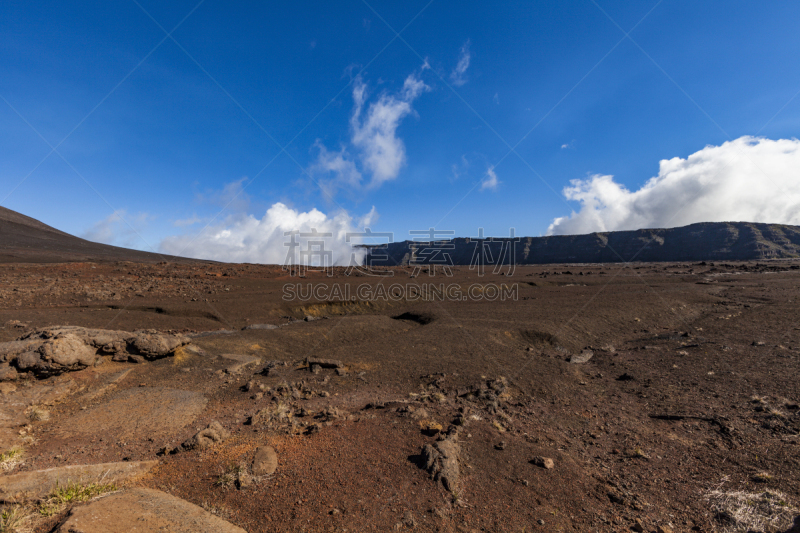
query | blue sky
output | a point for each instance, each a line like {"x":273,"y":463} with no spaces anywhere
{"x":164,"y":131}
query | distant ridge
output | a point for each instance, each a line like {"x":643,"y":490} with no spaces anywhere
{"x":26,"y":240}
{"x":716,"y":241}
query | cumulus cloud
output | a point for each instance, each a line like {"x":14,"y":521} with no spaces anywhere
{"x":748,"y":179}
{"x":457,"y":76}
{"x":490,"y":181}
{"x":247,"y":239}
{"x":379,"y":154}
{"x":374,"y":132}
{"x":119,"y":229}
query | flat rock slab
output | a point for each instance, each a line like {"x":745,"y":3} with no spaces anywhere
{"x":36,"y":485}
{"x":582,"y":357}
{"x":144,"y":511}
{"x":239,"y":361}
{"x":15,"y":402}
{"x":142,"y":412}
{"x":265,"y":461}
{"x":260,"y":326}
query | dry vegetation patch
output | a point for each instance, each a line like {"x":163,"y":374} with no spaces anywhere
{"x":742,"y":512}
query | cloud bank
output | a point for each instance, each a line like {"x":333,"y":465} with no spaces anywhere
{"x":377,"y":152}
{"x":244,"y":238}
{"x":749,"y":179}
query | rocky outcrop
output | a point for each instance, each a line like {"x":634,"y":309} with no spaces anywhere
{"x":265,"y":461}
{"x":59,"y":349}
{"x":213,"y":434}
{"x":37,"y":484}
{"x":714,"y":241}
{"x":441,"y":461}
{"x":145,"y":511}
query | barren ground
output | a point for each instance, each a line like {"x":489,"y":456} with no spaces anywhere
{"x":692,"y":386}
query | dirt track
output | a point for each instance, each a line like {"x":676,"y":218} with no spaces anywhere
{"x":692,"y":385}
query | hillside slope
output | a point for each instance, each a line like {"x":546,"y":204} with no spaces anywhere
{"x":26,"y":240}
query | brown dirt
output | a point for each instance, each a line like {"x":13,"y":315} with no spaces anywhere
{"x":704,"y":407}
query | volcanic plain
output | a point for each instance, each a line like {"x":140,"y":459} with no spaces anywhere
{"x":596,"y":397}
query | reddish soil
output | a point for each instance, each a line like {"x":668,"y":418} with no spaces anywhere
{"x":692,"y":385}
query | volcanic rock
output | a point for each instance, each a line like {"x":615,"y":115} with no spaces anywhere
{"x":265,"y":461}
{"x":441,"y":461}
{"x":213,"y":434}
{"x":59,"y":349}
{"x":34,"y":485}
{"x":145,"y":511}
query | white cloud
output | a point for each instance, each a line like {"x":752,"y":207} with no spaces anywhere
{"x":490,"y":181}
{"x":748,"y":179}
{"x":120,"y":229}
{"x":379,"y":152}
{"x":335,"y":170}
{"x":382,"y":153}
{"x":247,"y":239}
{"x":457,"y":75}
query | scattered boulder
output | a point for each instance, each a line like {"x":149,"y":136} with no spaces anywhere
{"x":213,"y":434}
{"x":239,"y":362}
{"x":244,"y":479}
{"x":154,"y":345}
{"x":582,"y":357}
{"x":324,"y":363}
{"x":67,"y":351}
{"x":30,"y":361}
{"x":145,"y":511}
{"x":441,"y":461}
{"x":543,"y":462}
{"x":265,"y":461}
{"x":10,"y":350}
{"x":8,"y":373}
{"x":408,"y":520}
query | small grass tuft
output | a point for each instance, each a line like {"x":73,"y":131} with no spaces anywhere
{"x":776,"y":413}
{"x":762,"y":477}
{"x":64,"y":495}
{"x":228,"y":478}
{"x":37,"y":413}
{"x":14,"y":520}
{"x":10,"y":459}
